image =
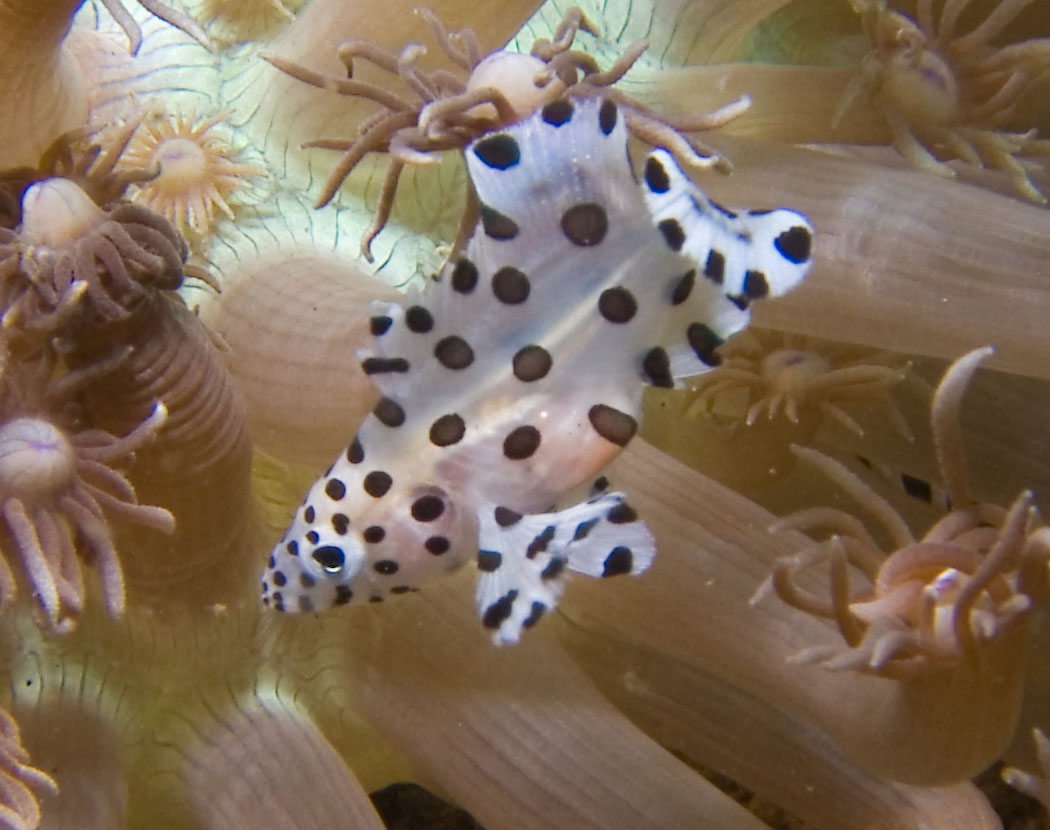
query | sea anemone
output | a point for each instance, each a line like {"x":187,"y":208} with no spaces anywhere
{"x":447,"y":110}
{"x":237,"y":20}
{"x":20,"y":782}
{"x":57,"y":486}
{"x":101,"y":286}
{"x":293,"y":321}
{"x":201,"y":465}
{"x":68,"y":247}
{"x":933,"y":602}
{"x":949,"y":96}
{"x":792,"y":375}
{"x":74,"y":156}
{"x":194,"y":175}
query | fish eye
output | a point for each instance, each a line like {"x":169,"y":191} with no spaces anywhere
{"x":330,"y":558}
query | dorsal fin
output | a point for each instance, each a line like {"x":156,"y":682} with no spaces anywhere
{"x":739,"y":256}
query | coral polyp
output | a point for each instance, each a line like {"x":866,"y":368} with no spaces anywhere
{"x":36,"y":459}
{"x":235,"y":20}
{"x":68,"y":247}
{"x":935,"y":601}
{"x":20,"y":783}
{"x":197,"y":180}
{"x":93,"y":291}
{"x":56,"y":490}
{"x":793,"y":376}
{"x":949,"y":96}
{"x":446,"y":110}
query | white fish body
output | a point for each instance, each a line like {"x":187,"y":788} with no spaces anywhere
{"x":519,"y":375}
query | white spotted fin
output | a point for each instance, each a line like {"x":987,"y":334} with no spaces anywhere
{"x":522,"y":559}
{"x":740,"y":256}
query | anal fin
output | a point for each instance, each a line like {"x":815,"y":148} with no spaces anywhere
{"x":522,"y":558}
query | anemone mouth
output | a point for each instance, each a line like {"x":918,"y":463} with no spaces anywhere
{"x":56,"y":212}
{"x":198,"y":181}
{"x":791,"y":370}
{"x":181,"y":162}
{"x":924,"y":90}
{"x":514,"y":75}
{"x":37,"y":461}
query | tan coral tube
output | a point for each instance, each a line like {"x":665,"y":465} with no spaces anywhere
{"x":782,"y":759}
{"x":70,"y":711}
{"x":520,"y":736}
{"x":38,"y":76}
{"x":262,"y":764}
{"x":293,"y":326}
{"x":789,"y":103}
{"x":693,"y":607}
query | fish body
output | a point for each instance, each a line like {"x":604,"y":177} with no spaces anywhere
{"x":519,"y":374}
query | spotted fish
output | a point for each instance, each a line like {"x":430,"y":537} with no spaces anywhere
{"x":519,"y":375}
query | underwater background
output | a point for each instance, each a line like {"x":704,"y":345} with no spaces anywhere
{"x":867,"y":684}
